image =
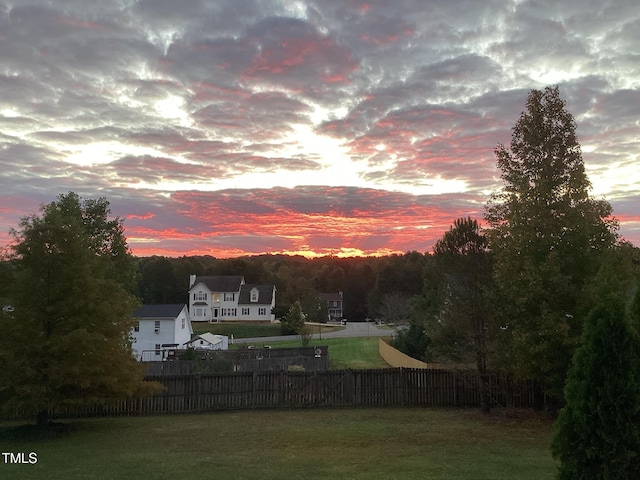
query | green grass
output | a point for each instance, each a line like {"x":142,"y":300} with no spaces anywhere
{"x":356,"y":353}
{"x":238,"y":330}
{"x":311,"y":444}
{"x":250,"y":330}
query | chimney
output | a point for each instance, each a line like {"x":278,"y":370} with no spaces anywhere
{"x":192,"y":281}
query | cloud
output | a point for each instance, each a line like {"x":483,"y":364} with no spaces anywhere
{"x":326,"y":126}
{"x":305,"y":220}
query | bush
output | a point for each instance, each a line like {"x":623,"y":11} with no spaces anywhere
{"x":412,"y":341}
{"x":599,"y":429}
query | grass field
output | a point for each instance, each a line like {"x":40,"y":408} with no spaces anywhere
{"x":238,"y":330}
{"x":250,"y":330}
{"x":299,"y":444}
{"x":354,"y":353}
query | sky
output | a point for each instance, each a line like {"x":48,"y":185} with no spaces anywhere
{"x":329,"y":127}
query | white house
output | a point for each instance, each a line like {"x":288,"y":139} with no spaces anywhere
{"x":208,"y":341}
{"x":160,"y":330}
{"x":229,"y":298}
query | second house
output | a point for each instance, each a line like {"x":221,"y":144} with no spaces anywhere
{"x":228,"y":298}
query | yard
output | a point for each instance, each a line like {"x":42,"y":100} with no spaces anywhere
{"x":310,"y":444}
{"x":251,"y":330}
{"x":359,"y":352}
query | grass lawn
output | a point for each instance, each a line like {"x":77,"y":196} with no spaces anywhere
{"x":249,"y":330}
{"x":354,"y":353}
{"x":297,"y":444}
{"x":238,"y":330}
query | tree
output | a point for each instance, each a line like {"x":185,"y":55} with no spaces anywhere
{"x":293,"y":322}
{"x":412,"y":341}
{"x":394,"y":308}
{"x":457,"y":297}
{"x":598,"y":431}
{"x":67,"y":341}
{"x":315,"y":307}
{"x":158,"y":283}
{"x":546,"y":235}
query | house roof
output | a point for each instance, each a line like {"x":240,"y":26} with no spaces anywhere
{"x":220,"y":283}
{"x":207,"y":337}
{"x":332,"y":297}
{"x":265,"y":294}
{"x":159,"y":310}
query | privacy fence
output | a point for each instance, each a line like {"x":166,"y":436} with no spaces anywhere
{"x":349,"y":388}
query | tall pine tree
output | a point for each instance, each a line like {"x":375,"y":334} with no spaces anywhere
{"x":545,"y":235}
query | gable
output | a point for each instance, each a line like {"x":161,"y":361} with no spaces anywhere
{"x":265,"y":294}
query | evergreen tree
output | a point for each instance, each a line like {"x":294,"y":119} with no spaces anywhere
{"x":546,"y":235}
{"x":67,"y":340}
{"x":456,"y":299}
{"x":293,"y":322}
{"x":598,"y":435}
{"x":412,"y":341}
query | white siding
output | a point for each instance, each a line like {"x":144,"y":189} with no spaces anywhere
{"x":171,"y":331}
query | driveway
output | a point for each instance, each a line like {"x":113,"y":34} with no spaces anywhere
{"x":351,"y":329}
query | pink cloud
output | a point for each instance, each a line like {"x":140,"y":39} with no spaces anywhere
{"x":309,"y":220}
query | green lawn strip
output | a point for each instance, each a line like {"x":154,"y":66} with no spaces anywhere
{"x":311,"y":444}
{"x":251,"y":330}
{"x":356,"y":353}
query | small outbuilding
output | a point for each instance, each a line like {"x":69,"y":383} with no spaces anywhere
{"x":208,"y":341}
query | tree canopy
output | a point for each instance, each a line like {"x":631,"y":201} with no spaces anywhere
{"x":456,"y":299}
{"x":67,"y":340}
{"x":546,"y":235}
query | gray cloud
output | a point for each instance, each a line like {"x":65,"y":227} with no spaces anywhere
{"x":135,"y":100}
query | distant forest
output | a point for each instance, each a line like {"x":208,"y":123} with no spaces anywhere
{"x":364,"y":281}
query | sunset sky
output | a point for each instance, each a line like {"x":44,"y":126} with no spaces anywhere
{"x":322,"y":127}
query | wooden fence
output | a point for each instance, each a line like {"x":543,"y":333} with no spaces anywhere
{"x":353,"y":388}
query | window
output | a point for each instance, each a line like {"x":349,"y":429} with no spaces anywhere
{"x":200,"y":297}
{"x":254,"y":295}
{"x":157,"y":326}
{"x":229,"y":312}
{"x":262,"y":311}
{"x":136,"y":327}
{"x":245,"y":311}
{"x":229,"y":297}
{"x":157,"y":349}
{"x":184,"y":323}
{"x":215,"y":297}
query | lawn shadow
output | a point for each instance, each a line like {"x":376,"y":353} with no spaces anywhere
{"x":23,"y":433}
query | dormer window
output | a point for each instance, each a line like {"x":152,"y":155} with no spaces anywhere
{"x":254,"y":295}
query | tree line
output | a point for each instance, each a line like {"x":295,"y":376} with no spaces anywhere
{"x":369,"y":284}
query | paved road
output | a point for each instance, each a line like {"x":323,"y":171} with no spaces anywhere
{"x":352,"y":329}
